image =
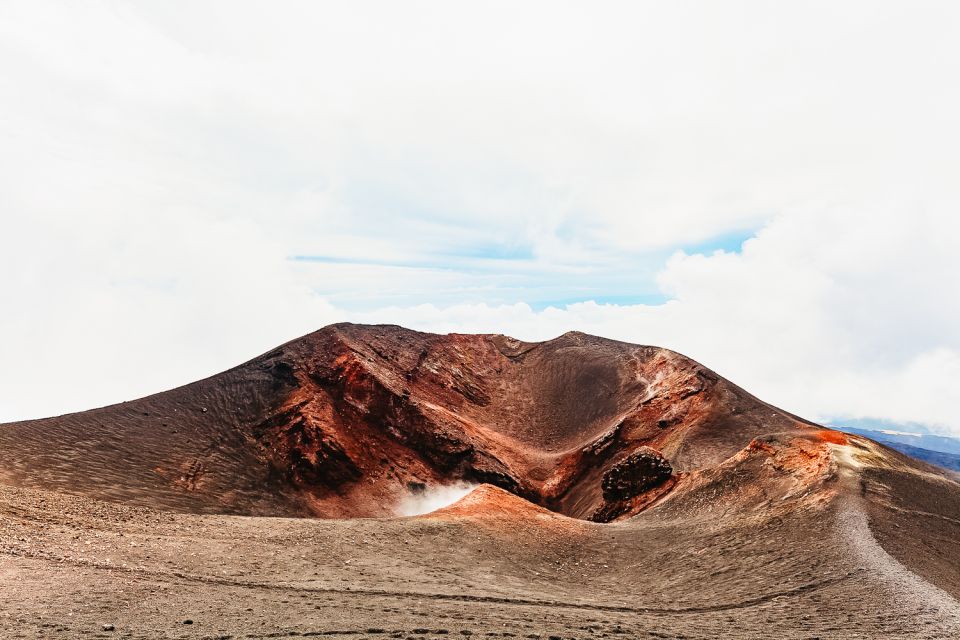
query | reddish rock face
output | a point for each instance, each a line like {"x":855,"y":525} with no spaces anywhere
{"x":347,"y":421}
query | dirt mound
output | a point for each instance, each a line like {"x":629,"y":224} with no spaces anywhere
{"x":488,"y":501}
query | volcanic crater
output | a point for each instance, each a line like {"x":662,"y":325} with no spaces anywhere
{"x":346,"y":421}
{"x":620,"y":489}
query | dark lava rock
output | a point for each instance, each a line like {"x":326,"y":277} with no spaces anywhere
{"x":643,"y":469}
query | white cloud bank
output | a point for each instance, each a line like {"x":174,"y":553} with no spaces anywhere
{"x":808,"y":320}
{"x":455,"y":166}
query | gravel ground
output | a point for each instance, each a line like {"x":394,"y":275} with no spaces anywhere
{"x":76,"y":567}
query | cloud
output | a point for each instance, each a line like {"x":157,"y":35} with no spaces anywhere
{"x":856,"y":322}
{"x":503,"y":168}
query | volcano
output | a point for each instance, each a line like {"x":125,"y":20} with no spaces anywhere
{"x":620,"y":491}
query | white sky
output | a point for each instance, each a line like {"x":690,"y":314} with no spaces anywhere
{"x":186,"y":185}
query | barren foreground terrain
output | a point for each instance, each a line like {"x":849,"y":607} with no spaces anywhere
{"x":621,"y":491}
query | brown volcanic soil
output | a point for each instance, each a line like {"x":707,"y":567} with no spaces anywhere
{"x":149,"y":513}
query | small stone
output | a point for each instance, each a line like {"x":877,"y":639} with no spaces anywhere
{"x":188,"y":621}
{"x":107,"y":627}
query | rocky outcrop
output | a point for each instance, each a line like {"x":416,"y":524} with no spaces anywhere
{"x":641,"y":470}
{"x":634,"y":483}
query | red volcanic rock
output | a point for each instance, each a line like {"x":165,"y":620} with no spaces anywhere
{"x":643,"y":469}
{"x":347,"y":421}
{"x":636,"y":474}
{"x":488,"y":501}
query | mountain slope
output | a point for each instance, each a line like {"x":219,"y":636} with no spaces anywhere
{"x":343,"y":422}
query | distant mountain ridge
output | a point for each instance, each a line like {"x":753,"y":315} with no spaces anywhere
{"x":942,"y":451}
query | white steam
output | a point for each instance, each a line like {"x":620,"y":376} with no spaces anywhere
{"x":433,"y":498}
